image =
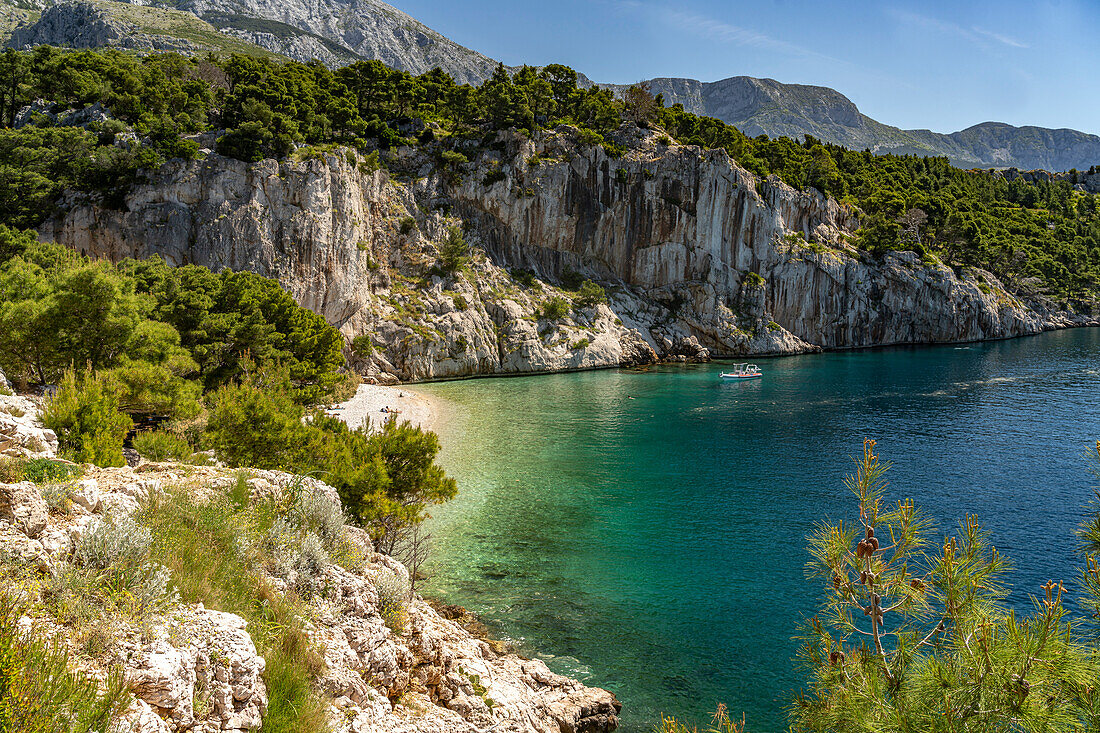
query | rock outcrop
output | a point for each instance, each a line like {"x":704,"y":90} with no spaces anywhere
{"x":193,"y":668}
{"x":21,"y":431}
{"x":364,"y":28}
{"x":687,"y":244}
{"x":82,"y":24}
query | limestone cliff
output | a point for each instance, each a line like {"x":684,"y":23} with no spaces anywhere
{"x":696,"y":255}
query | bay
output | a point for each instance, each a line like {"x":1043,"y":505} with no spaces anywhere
{"x":645,"y":530}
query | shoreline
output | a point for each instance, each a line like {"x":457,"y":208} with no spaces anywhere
{"x":725,"y":358}
{"x":378,"y":403}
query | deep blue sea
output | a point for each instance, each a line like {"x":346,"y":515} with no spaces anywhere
{"x":645,"y":530}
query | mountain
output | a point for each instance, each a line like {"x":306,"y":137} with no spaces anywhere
{"x":339,"y":32}
{"x":108,"y":24}
{"x":366,"y":28}
{"x":768,"y":107}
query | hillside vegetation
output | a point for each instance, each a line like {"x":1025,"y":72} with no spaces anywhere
{"x":1041,"y":237}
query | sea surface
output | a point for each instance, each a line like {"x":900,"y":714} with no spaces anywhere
{"x":645,"y":530}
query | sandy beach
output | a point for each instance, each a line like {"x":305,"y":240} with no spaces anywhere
{"x":370,"y":399}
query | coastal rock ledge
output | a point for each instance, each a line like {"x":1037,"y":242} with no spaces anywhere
{"x":192,"y":668}
{"x":699,"y":258}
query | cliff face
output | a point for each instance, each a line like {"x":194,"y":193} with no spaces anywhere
{"x":696,"y":255}
{"x":688,"y":226}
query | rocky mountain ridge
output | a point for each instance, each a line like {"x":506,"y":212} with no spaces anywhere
{"x":698,"y":257}
{"x":338,"y":32}
{"x":768,"y":107}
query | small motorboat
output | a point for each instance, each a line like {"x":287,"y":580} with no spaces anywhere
{"x":743,"y":371}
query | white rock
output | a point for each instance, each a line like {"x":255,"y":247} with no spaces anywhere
{"x":22,"y":505}
{"x":85,"y":492}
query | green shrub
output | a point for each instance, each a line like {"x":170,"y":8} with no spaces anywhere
{"x":494,"y":176}
{"x":85,"y":415}
{"x":453,"y":159}
{"x":160,"y":445}
{"x":524,"y":277}
{"x":571,"y":279}
{"x":589,"y":137}
{"x":43,"y":470}
{"x":251,"y":426}
{"x":555,"y":309}
{"x":460,"y":302}
{"x":664,"y":140}
{"x":40,"y":692}
{"x":362,"y":345}
{"x":581,"y":343}
{"x":12,"y":470}
{"x":590,"y":294}
{"x":393,"y":599}
{"x":454,"y":252}
{"x":144,"y":388}
{"x":621,"y":176}
{"x":407,"y":225}
{"x":614,"y":150}
{"x":370,"y":163}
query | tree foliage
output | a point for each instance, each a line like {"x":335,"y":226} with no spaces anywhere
{"x":1037,"y":237}
{"x":915,"y":634}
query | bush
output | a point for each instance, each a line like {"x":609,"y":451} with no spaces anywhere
{"x":614,"y":150}
{"x":526,"y":278}
{"x":571,"y":279}
{"x":590,"y":295}
{"x":43,"y":470}
{"x":555,"y":309}
{"x":112,"y":541}
{"x":494,"y":176}
{"x":393,"y":599}
{"x":362,"y":346}
{"x":59,"y":498}
{"x":160,"y":445}
{"x":85,"y":415}
{"x":40,"y":692}
{"x":407,"y":225}
{"x":250,"y":426}
{"x":12,"y":470}
{"x":454,"y":253}
{"x":319,"y":514}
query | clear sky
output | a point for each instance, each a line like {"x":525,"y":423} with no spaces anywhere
{"x":937,"y":65}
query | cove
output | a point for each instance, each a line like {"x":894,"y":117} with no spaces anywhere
{"x":645,"y":530}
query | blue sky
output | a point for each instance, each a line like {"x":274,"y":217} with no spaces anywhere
{"x":937,"y":65}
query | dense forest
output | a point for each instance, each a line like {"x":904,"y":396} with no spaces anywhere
{"x":1039,"y":238}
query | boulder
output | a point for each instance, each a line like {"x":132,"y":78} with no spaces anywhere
{"x":22,"y":506}
{"x":202,"y":672}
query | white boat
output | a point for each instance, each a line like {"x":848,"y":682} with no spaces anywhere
{"x":743,"y":371}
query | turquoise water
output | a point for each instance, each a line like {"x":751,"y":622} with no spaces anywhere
{"x":645,"y":530}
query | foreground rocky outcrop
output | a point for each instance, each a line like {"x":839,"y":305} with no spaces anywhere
{"x":699,"y":258}
{"x":21,"y":432}
{"x":193,"y":668}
